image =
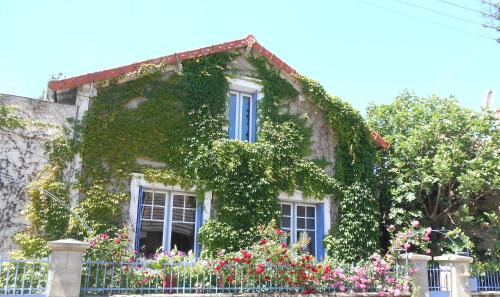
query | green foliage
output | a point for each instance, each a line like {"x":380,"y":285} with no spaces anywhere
{"x":49,"y":218}
{"x":179,"y":120}
{"x":8,"y":120}
{"x":355,"y":237}
{"x":100,"y":209}
{"x":30,"y":247}
{"x":354,"y":164}
{"x":153,"y":130}
{"x":355,"y":151}
{"x":443,"y":167}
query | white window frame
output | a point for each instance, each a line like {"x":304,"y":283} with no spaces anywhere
{"x":245,"y":86}
{"x":239,"y":113}
{"x":298,"y":199}
{"x":138,"y":181}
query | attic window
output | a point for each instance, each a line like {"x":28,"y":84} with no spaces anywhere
{"x":243,"y":99}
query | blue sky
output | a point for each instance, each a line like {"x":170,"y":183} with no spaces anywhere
{"x":359,"y":52}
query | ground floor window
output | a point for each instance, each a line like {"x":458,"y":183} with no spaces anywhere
{"x":166,"y":219}
{"x":300,"y":220}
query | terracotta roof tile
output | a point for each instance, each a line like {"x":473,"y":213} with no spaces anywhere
{"x":250,"y":40}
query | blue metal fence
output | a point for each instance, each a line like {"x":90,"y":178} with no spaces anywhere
{"x":150,"y":277}
{"x":485,"y":281}
{"x":439,"y":280}
{"x":23,"y":277}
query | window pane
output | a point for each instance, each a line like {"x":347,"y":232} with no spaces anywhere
{"x":159,"y":199}
{"x":158,"y":213}
{"x":147,"y":198}
{"x":146,"y":213}
{"x":310,"y":224}
{"x":190,"y":202}
{"x":189,"y":215}
{"x":301,"y":211}
{"x":245,"y":118}
{"x":301,"y":223}
{"x":177,"y":214}
{"x":312,"y":242}
{"x":182,"y":236}
{"x":178,"y":201}
{"x":310,"y":212}
{"x":285,"y":222}
{"x":286,"y":210}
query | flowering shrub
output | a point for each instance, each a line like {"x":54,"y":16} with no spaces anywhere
{"x":267,"y":265}
{"x":111,"y":248}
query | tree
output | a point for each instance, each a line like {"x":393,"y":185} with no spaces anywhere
{"x":443,"y":167}
{"x":491,"y":12}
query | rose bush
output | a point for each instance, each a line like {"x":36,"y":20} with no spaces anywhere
{"x":268,"y":264}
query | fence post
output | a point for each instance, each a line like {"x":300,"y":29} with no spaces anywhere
{"x":421,"y":276}
{"x":65,"y":267}
{"x":459,"y":273}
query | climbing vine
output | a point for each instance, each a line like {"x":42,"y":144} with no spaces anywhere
{"x":171,"y":127}
{"x":354,"y":168}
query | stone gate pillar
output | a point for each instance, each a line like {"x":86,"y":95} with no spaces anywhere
{"x":65,"y":267}
{"x":459,"y":273}
{"x":420,"y":262}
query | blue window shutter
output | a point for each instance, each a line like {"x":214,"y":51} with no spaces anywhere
{"x":198,"y":224}
{"x":253,"y":120}
{"x":232,"y":116}
{"x":320,"y":230}
{"x":245,"y":118}
{"x":138,"y":222}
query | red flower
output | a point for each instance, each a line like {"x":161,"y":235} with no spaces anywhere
{"x":283,"y":245}
{"x":260,"y":268}
{"x":236,"y":259}
{"x":263,"y":241}
{"x":247,"y":255}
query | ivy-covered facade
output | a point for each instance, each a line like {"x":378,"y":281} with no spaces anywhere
{"x":196,"y":150}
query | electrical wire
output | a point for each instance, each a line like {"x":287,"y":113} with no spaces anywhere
{"x":460,"y":6}
{"x":56,"y":199}
{"x":439,"y":12}
{"x":424,"y":20}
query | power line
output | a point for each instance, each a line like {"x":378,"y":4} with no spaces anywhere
{"x":425,"y":20}
{"x":460,"y":6}
{"x":439,"y":12}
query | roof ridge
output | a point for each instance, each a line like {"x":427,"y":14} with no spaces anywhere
{"x":249,"y":40}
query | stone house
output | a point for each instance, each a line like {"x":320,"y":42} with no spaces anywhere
{"x":164,"y":215}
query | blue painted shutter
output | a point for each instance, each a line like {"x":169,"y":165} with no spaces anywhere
{"x":232,"y":116}
{"x":198,"y":224}
{"x":245,"y":118}
{"x":253,"y":120}
{"x":320,"y":230}
{"x":138,"y":222}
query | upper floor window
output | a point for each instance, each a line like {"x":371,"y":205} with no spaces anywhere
{"x":242,"y":116}
{"x":243,"y":100}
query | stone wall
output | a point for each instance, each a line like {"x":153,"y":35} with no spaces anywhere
{"x":22,"y":156}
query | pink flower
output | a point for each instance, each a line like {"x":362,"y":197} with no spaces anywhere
{"x":406,"y":246}
{"x":415,"y":224}
{"x":283,"y":245}
{"x":428,"y":251}
{"x":427,"y":231}
{"x":397,"y":292}
{"x":381,"y":293}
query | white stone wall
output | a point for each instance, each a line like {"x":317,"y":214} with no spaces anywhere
{"x":22,"y":156}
